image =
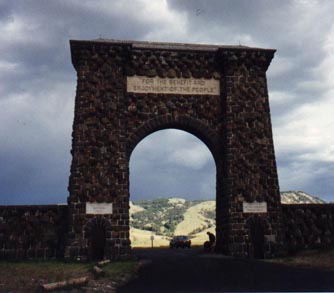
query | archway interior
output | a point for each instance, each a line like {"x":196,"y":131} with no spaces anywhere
{"x":98,"y":240}
{"x":172,"y":188}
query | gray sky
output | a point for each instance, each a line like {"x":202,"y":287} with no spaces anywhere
{"x":37,"y":90}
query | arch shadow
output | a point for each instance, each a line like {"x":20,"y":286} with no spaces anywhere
{"x":95,"y":232}
{"x":257,"y":228}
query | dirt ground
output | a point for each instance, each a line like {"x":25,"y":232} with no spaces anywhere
{"x":323,"y":259}
{"x":179,"y":270}
{"x":28,"y":276}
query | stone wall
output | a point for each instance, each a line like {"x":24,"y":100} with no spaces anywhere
{"x":308,"y":226}
{"x":33,"y":231}
{"x":40,"y":231}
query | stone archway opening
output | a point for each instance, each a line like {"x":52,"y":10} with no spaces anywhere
{"x":257,"y":228}
{"x":257,"y":240}
{"x":174,"y":171}
{"x":96,"y":235}
{"x":98,"y":242}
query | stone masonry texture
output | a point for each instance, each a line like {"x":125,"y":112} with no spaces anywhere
{"x":108,"y":124}
{"x":33,"y":231}
{"x":28,"y":232}
{"x":308,"y":226}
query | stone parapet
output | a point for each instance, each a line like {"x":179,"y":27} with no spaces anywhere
{"x":33,"y":231}
{"x":308,"y":226}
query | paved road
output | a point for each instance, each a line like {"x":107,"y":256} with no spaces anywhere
{"x":191,"y":271}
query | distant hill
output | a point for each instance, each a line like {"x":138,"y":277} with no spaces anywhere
{"x":291,"y":197}
{"x":160,"y":215}
{"x":165,"y":217}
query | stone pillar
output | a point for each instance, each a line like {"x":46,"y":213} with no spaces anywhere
{"x":249,"y":165}
{"x":99,"y":170}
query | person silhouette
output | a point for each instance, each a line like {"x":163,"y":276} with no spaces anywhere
{"x":208,"y":245}
{"x":212,"y":238}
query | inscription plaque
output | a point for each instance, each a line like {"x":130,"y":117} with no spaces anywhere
{"x":181,"y":86}
{"x":254,"y":207}
{"x":95,"y":208}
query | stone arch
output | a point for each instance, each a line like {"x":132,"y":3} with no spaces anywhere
{"x":188,"y":124}
{"x":217,"y":93}
{"x":95,"y":233}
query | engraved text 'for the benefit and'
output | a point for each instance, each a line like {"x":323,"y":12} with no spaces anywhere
{"x":181,"y":86}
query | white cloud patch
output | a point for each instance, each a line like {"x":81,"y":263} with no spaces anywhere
{"x":282,"y":98}
{"x":165,"y":23}
{"x":195,"y":157}
{"x":308,"y":130}
{"x":280,"y":66}
{"x":6,"y":66}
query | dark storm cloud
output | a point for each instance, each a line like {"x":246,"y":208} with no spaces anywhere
{"x":298,"y":77}
{"x":40,"y":44}
{"x":37,"y":88}
{"x":291,"y":27}
{"x":315,"y":178}
{"x":33,"y":177}
{"x":34,"y":154}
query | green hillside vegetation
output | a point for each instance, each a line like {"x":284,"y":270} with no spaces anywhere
{"x":163,"y":218}
{"x":161,"y":215}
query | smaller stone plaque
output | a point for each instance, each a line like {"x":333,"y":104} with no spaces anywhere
{"x":254,"y":207}
{"x":94,"y":208}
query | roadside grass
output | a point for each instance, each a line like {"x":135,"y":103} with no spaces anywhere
{"x":321,"y":259}
{"x":116,"y":270}
{"x":28,"y":276}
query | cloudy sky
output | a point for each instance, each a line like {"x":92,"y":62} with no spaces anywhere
{"x":37,"y":90}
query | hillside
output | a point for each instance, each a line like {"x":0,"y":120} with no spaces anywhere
{"x":159,"y":216}
{"x":197,"y":218}
{"x":291,"y":197}
{"x":163,"y":218}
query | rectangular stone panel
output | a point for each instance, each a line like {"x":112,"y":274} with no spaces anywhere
{"x":95,"y":208}
{"x":180,"y":86}
{"x":254,"y":207}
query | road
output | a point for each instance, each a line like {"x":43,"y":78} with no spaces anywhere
{"x":187,"y":270}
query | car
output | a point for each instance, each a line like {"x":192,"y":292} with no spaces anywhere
{"x":180,"y":241}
